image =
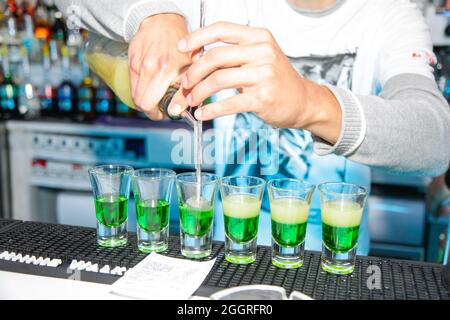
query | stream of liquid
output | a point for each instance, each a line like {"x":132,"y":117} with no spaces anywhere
{"x":198,"y":136}
{"x":198,"y":127}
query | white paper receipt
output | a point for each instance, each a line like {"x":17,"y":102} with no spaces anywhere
{"x":159,"y":277}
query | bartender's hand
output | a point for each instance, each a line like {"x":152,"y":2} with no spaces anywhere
{"x":268,"y":84}
{"x":155,"y":63}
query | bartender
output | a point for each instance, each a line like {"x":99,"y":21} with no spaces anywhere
{"x":349,"y":83}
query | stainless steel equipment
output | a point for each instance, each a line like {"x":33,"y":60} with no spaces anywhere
{"x":4,"y":174}
{"x":397,"y":219}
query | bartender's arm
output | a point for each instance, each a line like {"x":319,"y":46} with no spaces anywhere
{"x":404,"y":129}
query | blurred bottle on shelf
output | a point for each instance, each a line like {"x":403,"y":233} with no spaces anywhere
{"x":20,"y":14}
{"x":42,"y":29}
{"x":47,"y":91}
{"x":54,"y":55}
{"x":29,"y":41}
{"x":123,"y":111}
{"x":59,"y":30}
{"x":67,"y":91}
{"x":11,"y":33}
{"x":28,"y":100}
{"x":8,"y":89}
{"x":104,"y":100}
{"x":86,"y":96}
{"x":74,"y":43}
{"x":28,"y":8}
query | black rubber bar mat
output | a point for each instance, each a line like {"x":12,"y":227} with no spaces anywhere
{"x":403,"y":280}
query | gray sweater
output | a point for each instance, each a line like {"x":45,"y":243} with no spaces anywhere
{"x":407,"y":127}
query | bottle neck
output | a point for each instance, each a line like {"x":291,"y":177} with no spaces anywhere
{"x":54,"y":56}
{"x":46,"y":62}
{"x":26,"y":63}
{"x":29,"y":26}
{"x":7,"y":76}
{"x":87,"y":79}
{"x":12,"y":27}
{"x":66,"y":65}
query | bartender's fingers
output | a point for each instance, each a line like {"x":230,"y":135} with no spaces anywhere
{"x":223,"y":32}
{"x":134,"y":78}
{"x":178,"y":103}
{"x":150,"y":72}
{"x":226,"y":57}
{"x":237,"y":104}
{"x":232,"y":78}
{"x":151,"y":87}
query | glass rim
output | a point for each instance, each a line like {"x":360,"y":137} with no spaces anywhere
{"x":362,"y":191}
{"x":261,"y":181}
{"x":308,"y":186}
{"x":170,"y":173}
{"x":194,"y":174}
{"x":126,"y":169}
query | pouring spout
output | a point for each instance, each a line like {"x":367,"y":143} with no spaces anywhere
{"x":189,"y":118}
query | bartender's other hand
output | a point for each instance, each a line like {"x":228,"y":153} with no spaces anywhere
{"x":155,"y":63}
{"x":269,"y":86}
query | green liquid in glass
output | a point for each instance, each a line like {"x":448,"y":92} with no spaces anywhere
{"x":196,"y":222}
{"x":153,"y":215}
{"x":340,"y":239}
{"x":241,"y":230}
{"x":288,"y":235}
{"x":111,"y":210}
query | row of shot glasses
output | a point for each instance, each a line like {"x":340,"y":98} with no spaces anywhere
{"x":342,"y":207}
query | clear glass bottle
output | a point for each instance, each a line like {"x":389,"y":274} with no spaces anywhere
{"x":67,"y":95}
{"x":86,"y":95}
{"x":8,"y":89}
{"x":47,"y":91}
{"x":29,"y":105}
{"x":104,"y":100}
{"x":109,"y":59}
{"x":42,"y":22}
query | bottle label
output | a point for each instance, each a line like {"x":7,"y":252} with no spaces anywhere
{"x":8,"y":105}
{"x":103,"y":106}
{"x":65,"y":105}
{"x":85,"y":106}
{"x":122,"y":108}
{"x":46,"y":104}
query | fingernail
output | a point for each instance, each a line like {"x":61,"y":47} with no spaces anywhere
{"x":175,"y":110}
{"x":199,"y":114}
{"x":184,"y":81}
{"x":182,"y":45}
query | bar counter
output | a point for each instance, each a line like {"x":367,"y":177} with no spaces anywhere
{"x":404,"y":280}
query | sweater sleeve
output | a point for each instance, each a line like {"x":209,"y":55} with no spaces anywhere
{"x":116,"y":19}
{"x":404,"y":130}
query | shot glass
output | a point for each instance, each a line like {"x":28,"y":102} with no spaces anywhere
{"x":290,"y":201}
{"x":111,"y":187}
{"x":196,"y":203}
{"x":241,"y":201}
{"x":152,"y":190}
{"x":342,"y":208}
